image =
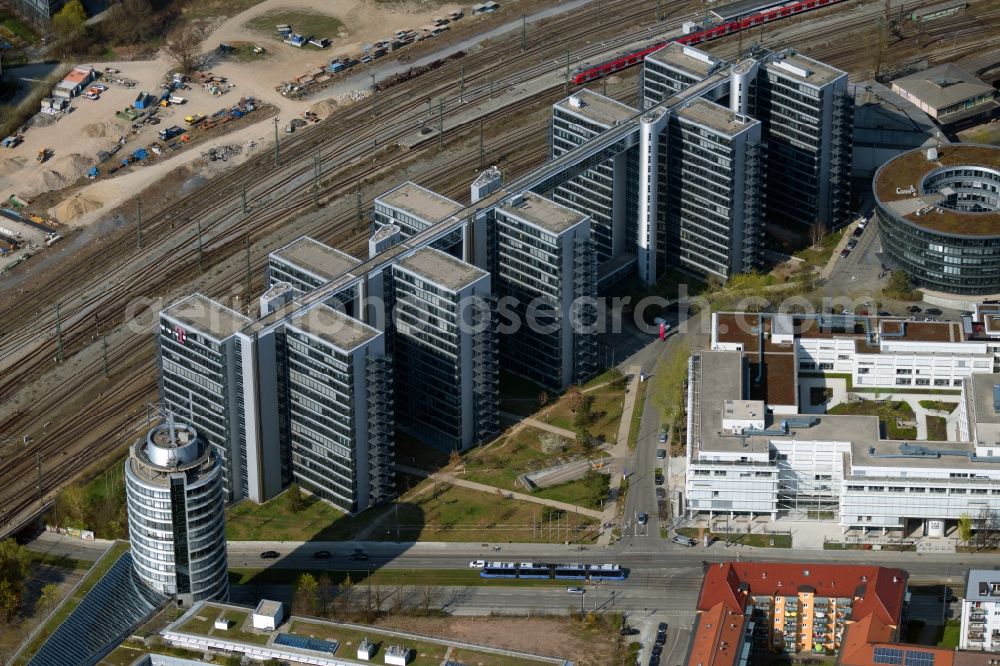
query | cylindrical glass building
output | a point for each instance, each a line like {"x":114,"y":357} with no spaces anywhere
{"x":939,"y":217}
{"x":176,"y":514}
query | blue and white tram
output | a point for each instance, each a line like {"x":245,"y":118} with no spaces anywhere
{"x":499,"y":570}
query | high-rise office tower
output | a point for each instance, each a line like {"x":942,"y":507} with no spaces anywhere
{"x":176,"y":514}
{"x":547,"y":282}
{"x":601,"y":191}
{"x":306,"y":264}
{"x":673,"y":68}
{"x":445,"y":350}
{"x":712,"y":216}
{"x":807,"y":117}
{"x":340,"y":419}
{"x":413,"y":208}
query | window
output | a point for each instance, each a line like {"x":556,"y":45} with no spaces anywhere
{"x":903,"y":382}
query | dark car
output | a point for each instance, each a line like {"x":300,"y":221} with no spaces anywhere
{"x":661,"y":639}
{"x":629,"y":631}
{"x":933,"y":312}
{"x":661,"y":493}
{"x":658,"y":479}
{"x":322,"y":555}
{"x":884,"y":313}
{"x":270,"y":555}
{"x":657,"y":650}
{"x":661,"y":628}
{"x":844,"y":252}
{"x":851,"y":244}
{"x":914,"y":309}
{"x":858,"y":231}
{"x":358,"y":557}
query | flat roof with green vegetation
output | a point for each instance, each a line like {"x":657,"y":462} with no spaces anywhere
{"x":428,"y":651}
{"x":95,"y":574}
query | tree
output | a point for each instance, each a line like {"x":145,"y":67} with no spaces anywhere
{"x":325,"y":593}
{"x":71,"y":507}
{"x":816,"y":232}
{"x":583,"y":415}
{"x":898,"y":286}
{"x":10,"y":600}
{"x":70,"y":18}
{"x":132,"y":21}
{"x":296,"y":500}
{"x":543,"y":399}
{"x":574,"y":398}
{"x":428,"y":596}
{"x":184,"y":47}
{"x":455,"y":459}
{"x":965,"y":527}
{"x":48,"y":597}
{"x":617,"y":379}
{"x":346,"y":593}
{"x":306,"y":596}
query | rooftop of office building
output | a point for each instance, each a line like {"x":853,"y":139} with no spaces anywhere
{"x":901,"y":188}
{"x":420,"y":202}
{"x":168,"y":448}
{"x":441,"y":268}
{"x":803,"y":68}
{"x":317,"y":258}
{"x":542,"y":212}
{"x":716,"y":117}
{"x":206,"y":316}
{"x":335,"y":327}
{"x":943,"y":86}
{"x":685,"y":58}
{"x":596,"y":107}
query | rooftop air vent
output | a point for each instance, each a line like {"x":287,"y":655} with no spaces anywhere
{"x":932,"y":154}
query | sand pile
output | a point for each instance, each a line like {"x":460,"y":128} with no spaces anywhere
{"x":72,"y":208}
{"x":9,"y":166}
{"x":96,"y":130}
{"x":56,"y":174}
{"x":324,"y":108}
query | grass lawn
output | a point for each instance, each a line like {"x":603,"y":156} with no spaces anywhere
{"x":637,"y":409}
{"x":887,"y":412}
{"x":952,"y":632}
{"x":204,"y":625}
{"x":937,"y":428}
{"x":13,"y":27}
{"x":275,"y":521}
{"x":606,"y":413}
{"x":96,"y":573}
{"x":427,"y":654}
{"x":587,"y":492}
{"x":754,"y":540}
{"x":816,"y":257}
{"x":939,"y":405}
{"x":452,"y":513}
{"x":124,"y":655}
{"x":305,"y":23}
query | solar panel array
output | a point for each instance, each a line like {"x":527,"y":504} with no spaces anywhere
{"x":109,"y":612}
{"x":303,"y":643}
{"x":892,"y":656}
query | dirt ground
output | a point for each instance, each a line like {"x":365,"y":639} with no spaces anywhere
{"x":91,"y":127}
{"x":547,"y":636}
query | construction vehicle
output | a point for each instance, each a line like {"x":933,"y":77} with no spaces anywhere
{"x":43,"y":154}
{"x":194,"y":119}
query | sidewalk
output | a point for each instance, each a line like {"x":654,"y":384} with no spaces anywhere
{"x":540,"y":425}
{"x":619,"y":452}
{"x":510,"y":494}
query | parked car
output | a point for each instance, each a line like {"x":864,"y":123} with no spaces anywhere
{"x":576,"y":590}
{"x":661,"y":493}
{"x":658,"y":479}
{"x":844,"y":252}
{"x":477,"y":564}
{"x":683,"y":540}
{"x":657,"y":649}
{"x":884,"y":313}
{"x":660,"y":639}
{"x":663,"y":434}
{"x":629,"y":631}
{"x":858,"y":231}
{"x":321,"y":555}
{"x":270,"y":555}
{"x":642,"y":518}
{"x":661,"y":454}
{"x":661,"y":628}
{"x":914,"y":309}
{"x":851,"y":244}
{"x":933,"y":312}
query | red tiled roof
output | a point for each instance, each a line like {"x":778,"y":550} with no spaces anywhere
{"x":718,"y":635}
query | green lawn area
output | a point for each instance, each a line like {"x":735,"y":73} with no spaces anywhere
{"x":640,"y":402}
{"x":939,"y":405}
{"x":427,"y":654}
{"x":275,"y":521}
{"x":754,"y":540}
{"x":204,"y":625}
{"x":816,"y":257}
{"x":952,"y":632}
{"x":13,"y":27}
{"x":97,"y":572}
{"x":387,"y":577}
{"x":886,"y":411}
{"x":303,"y":22}
{"x":587,"y":492}
{"x":606,"y":411}
{"x":937,"y":428}
{"x":124,"y":655}
{"x":452,"y":513}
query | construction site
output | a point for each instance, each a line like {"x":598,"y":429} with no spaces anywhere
{"x":77,"y":358}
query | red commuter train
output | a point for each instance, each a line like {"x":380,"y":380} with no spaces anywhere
{"x":585,"y":74}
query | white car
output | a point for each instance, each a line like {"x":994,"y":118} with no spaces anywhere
{"x":576,"y":590}
{"x":477,"y":564}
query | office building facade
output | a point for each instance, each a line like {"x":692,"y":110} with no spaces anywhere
{"x":340,"y":415}
{"x":447,"y":375}
{"x":980,"y":629}
{"x":176,"y":514}
{"x":412,"y":209}
{"x":547,"y":281}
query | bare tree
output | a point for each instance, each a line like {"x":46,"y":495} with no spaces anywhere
{"x":184,"y":47}
{"x":428,"y":597}
{"x":816,"y":232}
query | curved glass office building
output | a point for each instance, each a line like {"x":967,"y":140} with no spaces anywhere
{"x":939,"y":216}
{"x":173,"y":482}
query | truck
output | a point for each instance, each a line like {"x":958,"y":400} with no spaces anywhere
{"x":176,"y":99}
{"x":43,"y":154}
{"x":194,"y":119}
{"x":170,"y":132}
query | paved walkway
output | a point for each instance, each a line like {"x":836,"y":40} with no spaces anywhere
{"x":541,"y":425}
{"x":619,"y":452}
{"x":509,"y":494}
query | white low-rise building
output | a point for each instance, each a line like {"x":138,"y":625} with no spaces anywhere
{"x":751,"y":452}
{"x":268,"y":615}
{"x":981,"y":611}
